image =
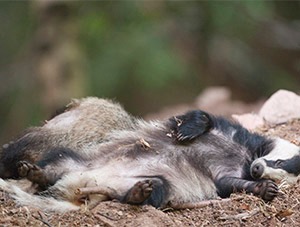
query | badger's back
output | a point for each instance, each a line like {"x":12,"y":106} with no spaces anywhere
{"x":88,"y":120}
{"x":84,"y":123}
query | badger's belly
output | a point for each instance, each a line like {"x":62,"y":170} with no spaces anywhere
{"x":188,"y":185}
{"x":185,"y":184}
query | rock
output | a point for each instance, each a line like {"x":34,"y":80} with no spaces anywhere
{"x":281,"y":107}
{"x":217,"y":100}
{"x":249,"y":120}
{"x":213,"y":96}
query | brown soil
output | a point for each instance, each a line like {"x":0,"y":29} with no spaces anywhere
{"x":241,"y":210}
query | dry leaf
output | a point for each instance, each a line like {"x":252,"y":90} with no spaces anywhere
{"x":284,"y":213}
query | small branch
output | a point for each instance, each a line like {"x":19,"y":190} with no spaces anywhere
{"x":240,"y":216}
{"x":104,"y":220}
{"x":95,"y":190}
{"x":199,"y":204}
{"x":41,"y":218}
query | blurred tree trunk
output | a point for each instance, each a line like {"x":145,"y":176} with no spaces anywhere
{"x":58,"y":59}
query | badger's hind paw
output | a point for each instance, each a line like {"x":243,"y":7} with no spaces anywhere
{"x":267,"y":190}
{"x":24,"y":168}
{"x":31,"y":171}
{"x":139,"y":192}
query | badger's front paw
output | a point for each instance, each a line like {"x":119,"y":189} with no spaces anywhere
{"x":190,"y":125}
{"x":139,"y":192}
{"x":266,"y":189}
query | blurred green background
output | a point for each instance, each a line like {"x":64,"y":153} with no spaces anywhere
{"x":144,"y":54}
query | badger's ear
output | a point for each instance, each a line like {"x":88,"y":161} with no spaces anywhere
{"x":190,"y":125}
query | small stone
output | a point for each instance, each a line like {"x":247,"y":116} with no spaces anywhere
{"x":120,"y":213}
{"x":281,"y":107}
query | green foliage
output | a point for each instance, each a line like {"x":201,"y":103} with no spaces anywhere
{"x":16,"y":29}
{"x":149,"y":54}
{"x":238,"y":18}
{"x":127,"y":47}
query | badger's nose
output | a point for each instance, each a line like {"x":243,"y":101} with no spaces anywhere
{"x":257,"y":170}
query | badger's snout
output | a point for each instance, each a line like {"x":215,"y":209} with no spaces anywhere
{"x":257,"y":170}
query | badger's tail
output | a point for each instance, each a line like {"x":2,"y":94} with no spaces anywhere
{"x":35,"y":201}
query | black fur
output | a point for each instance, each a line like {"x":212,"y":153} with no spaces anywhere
{"x":15,"y":151}
{"x":190,"y":125}
{"x":194,"y":125}
{"x":291,"y":165}
{"x":45,"y":173}
{"x":57,"y":154}
{"x":197,"y":122}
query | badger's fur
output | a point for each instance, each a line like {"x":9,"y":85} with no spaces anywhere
{"x":188,"y":158}
{"x":84,"y":122}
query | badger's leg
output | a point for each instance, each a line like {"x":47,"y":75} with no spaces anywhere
{"x":35,"y":174}
{"x":266,"y":189}
{"x":51,"y":167}
{"x":190,"y":125}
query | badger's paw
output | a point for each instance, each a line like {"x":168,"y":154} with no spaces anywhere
{"x":139,"y":192}
{"x":31,"y":171}
{"x":190,"y":125}
{"x":266,"y":189}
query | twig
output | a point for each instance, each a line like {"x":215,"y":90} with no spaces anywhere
{"x":108,"y":222}
{"x":240,"y":216}
{"x":95,"y":190}
{"x":199,"y":204}
{"x":106,"y":216}
{"x":41,"y":219}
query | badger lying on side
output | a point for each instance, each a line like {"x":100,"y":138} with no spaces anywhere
{"x":84,"y":122}
{"x":188,"y":158}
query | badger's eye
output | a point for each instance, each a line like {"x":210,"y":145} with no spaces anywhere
{"x":278,"y":163}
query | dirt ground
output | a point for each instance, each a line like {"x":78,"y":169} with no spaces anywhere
{"x":240,"y":210}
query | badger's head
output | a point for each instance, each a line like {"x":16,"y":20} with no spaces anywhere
{"x":282,"y":163}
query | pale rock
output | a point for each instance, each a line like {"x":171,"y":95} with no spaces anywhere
{"x":213,"y":96}
{"x":281,"y":107}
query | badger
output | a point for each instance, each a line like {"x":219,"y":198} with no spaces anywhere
{"x":82,"y":123}
{"x":186,"y":159}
